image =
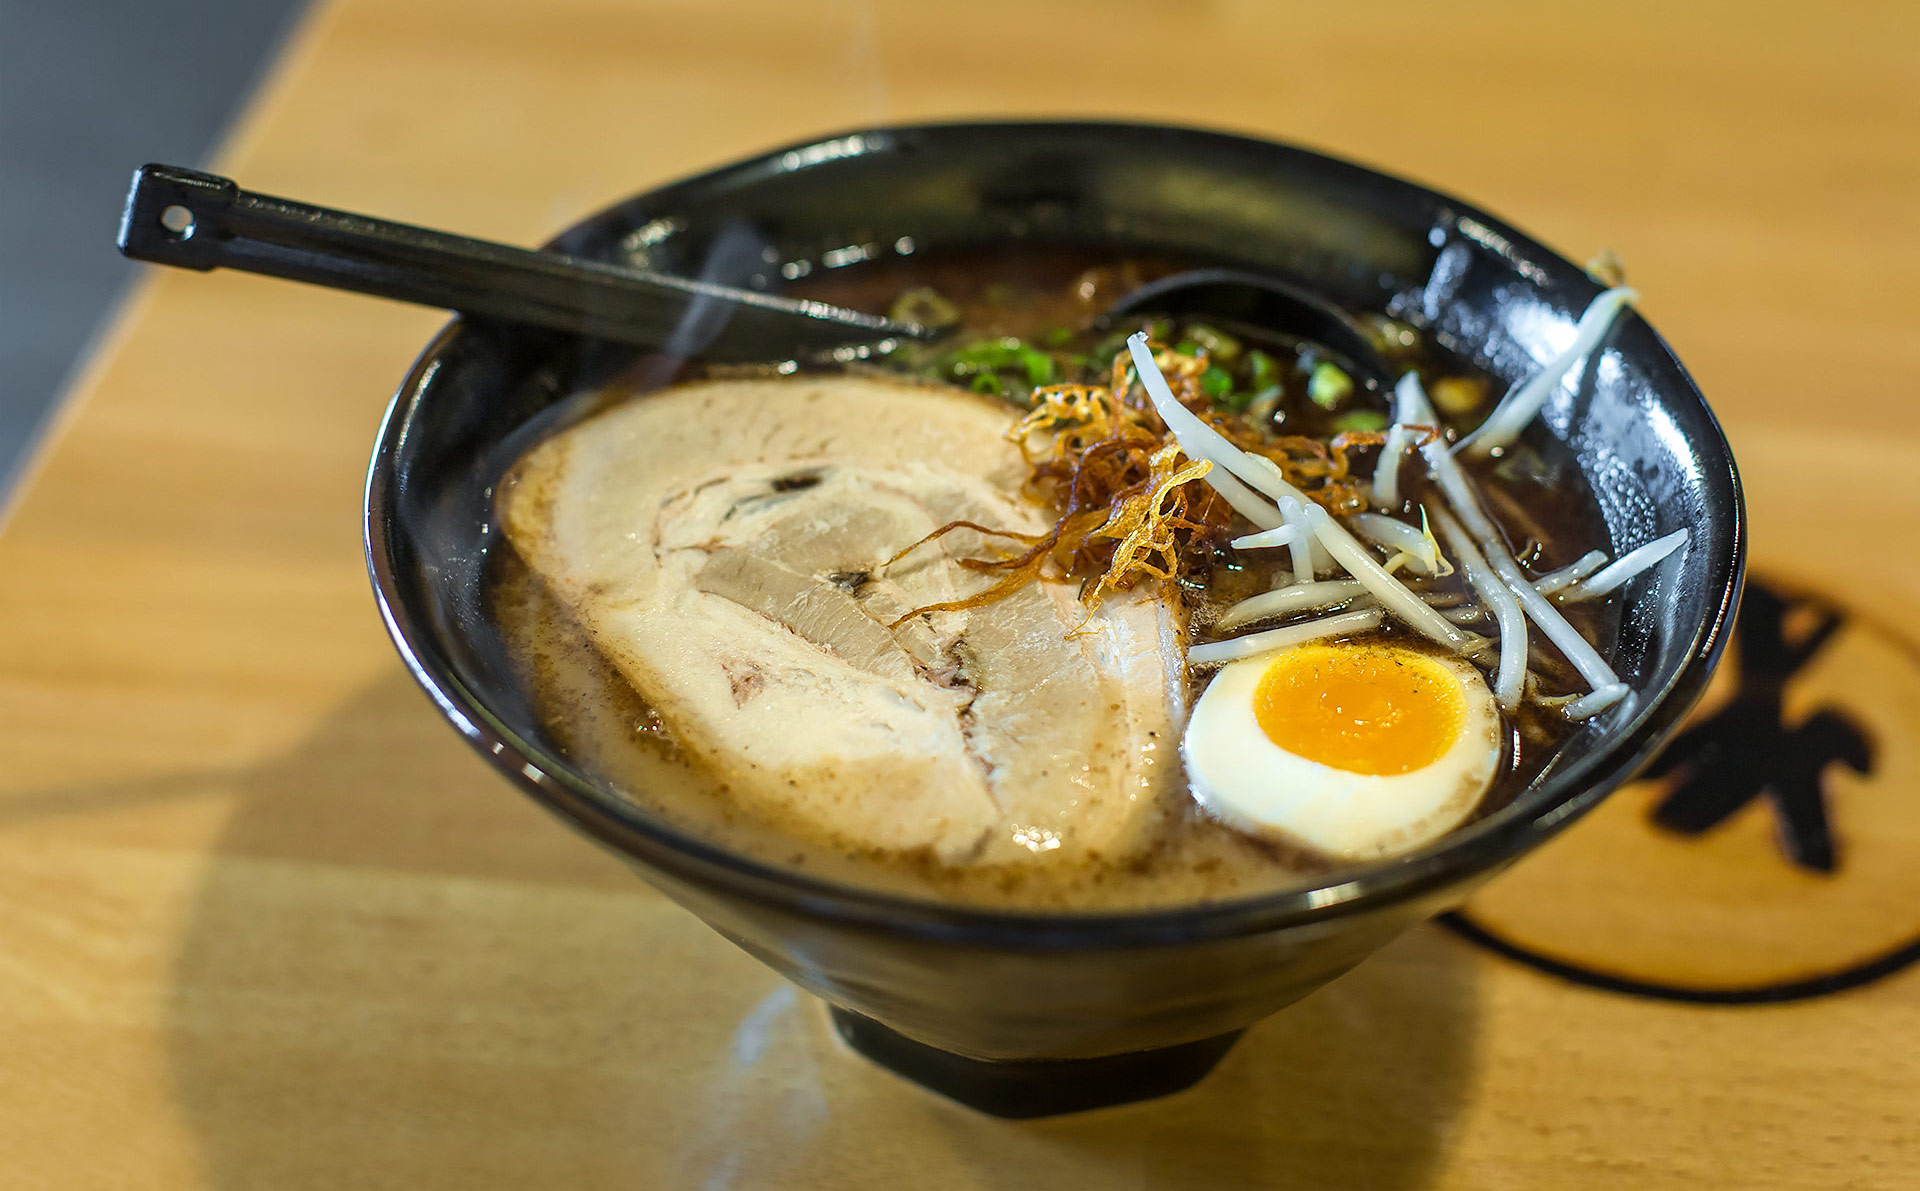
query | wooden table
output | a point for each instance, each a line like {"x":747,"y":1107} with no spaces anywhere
{"x":265,"y":923}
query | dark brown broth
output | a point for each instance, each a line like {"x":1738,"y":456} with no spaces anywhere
{"x":600,"y":724}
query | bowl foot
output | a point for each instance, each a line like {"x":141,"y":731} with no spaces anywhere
{"x":1037,"y":1087}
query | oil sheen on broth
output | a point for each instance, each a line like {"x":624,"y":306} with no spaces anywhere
{"x":1014,"y":310}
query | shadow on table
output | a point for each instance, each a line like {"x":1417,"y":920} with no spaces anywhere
{"x":399,"y":972}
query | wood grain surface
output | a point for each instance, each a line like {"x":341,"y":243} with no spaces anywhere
{"x":265,"y":923}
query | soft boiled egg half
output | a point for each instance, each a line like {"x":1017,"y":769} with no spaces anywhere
{"x":1356,"y":749}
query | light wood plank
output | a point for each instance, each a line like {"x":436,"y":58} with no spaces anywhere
{"x":266,"y":924}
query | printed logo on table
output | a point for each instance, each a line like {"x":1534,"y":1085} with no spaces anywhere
{"x":1771,"y":852}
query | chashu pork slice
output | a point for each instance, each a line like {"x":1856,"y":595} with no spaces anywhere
{"x":725,"y":544}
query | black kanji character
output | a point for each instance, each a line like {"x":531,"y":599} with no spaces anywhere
{"x":1746,"y":748}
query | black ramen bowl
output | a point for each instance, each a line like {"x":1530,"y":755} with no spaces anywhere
{"x":1026,"y":1014}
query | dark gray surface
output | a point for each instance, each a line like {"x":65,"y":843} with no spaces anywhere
{"x":89,"y":89}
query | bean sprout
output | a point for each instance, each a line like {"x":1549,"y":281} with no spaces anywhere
{"x":1511,"y":672}
{"x":1254,"y":644}
{"x":1398,"y":536}
{"x":1629,"y":565}
{"x":1520,"y":405}
{"x":1386,"y":472}
{"x":1458,"y":490}
{"x":1300,"y":597}
{"x":1591,"y":705}
{"x":1241,"y":498}
{"x":1201,"y":441}
{"x":1575,"y":571}
{"x":1286,"y":535}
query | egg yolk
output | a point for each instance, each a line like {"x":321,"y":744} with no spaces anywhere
{"x":1363,"y":709}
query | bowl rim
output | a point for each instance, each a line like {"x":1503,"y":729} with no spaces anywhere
{"x":637,"y":836}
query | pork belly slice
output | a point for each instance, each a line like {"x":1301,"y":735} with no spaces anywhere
{"x":725,"y":545}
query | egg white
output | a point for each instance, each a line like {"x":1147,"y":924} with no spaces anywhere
{"x":1240,"y":775}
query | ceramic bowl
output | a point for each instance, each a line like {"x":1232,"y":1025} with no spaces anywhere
{"x":1023,"y":1014}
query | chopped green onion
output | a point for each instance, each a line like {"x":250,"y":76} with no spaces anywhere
{"x":988,"y":383}
{"x":1329,"y":386}
{"x":1458,"y":396}
{"x":1391,"y":337}
{"x":1219,"y":344}
{"x":1262,"y":369}
{"x":926,"y":307}
{"x":1057,"y":337}
{"x":988,"y":353}
{"x":1038,"y":366}
{"x":1216,"y":382}
{"x":1360,"y":420}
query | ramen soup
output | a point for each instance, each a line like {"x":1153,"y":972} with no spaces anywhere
{"x":1042,"y":616}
